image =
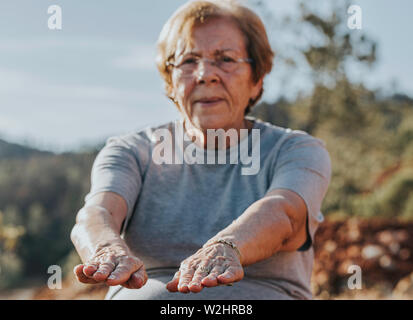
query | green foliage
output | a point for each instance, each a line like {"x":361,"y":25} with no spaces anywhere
{"x":360,"y":153}
{"x":10,"y":270}
{"x":408,"y":207}
{"x":39,"y":199}
{"x":393,"y":198}
{"x":10,"y":263}
{"x":365,"y":135}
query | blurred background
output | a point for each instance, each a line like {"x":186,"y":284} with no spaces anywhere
{"x":64,"y":92}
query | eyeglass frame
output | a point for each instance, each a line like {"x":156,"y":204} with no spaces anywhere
{"x":212,"y":61}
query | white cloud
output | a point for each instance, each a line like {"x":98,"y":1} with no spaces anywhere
{"x":60,"y":117}
{"x":27,"y":86}
{"x":7,"y":124}
{"x":49,"y":42}
{"x":141,"y":57}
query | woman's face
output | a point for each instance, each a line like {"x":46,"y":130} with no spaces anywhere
{"x":209,"y":97}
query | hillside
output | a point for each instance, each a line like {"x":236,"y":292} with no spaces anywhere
{"x":12,"y":150}
{"x":40,"y":195}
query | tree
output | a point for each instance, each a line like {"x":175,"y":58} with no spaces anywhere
{"x":327,"y":49}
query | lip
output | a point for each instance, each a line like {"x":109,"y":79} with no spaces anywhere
{"x":209,"y":101}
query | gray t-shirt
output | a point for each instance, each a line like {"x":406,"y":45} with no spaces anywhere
{"x":173,"y":209}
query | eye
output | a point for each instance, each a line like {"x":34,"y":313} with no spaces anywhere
{"x":188,"y":61}
{"x":226,"y":59}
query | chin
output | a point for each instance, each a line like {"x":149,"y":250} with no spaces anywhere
{"x":216,"y":122}
{"x":211,"y":118}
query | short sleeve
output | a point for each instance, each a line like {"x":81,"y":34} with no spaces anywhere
{"x":303,"y":165}
{"x":116,"y":169}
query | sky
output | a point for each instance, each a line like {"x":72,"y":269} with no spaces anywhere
{"x":62,"y":90}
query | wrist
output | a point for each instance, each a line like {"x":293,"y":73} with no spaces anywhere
{"x":117,"y":244}
{"x":227,"y":242}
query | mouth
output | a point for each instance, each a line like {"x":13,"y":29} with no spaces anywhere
{"x":209,"y":101}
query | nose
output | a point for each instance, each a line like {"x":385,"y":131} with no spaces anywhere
{"x":206,"y":73}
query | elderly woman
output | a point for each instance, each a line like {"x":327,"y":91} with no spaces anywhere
{"x":154,"y":229}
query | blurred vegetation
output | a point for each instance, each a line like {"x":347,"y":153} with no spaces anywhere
{"x":39,"y":198}
{"x":369,"y":137}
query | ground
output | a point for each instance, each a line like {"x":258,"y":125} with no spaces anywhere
{"x":381,"y":249}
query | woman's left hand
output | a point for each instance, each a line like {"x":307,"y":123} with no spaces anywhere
{"x":210,"y":266}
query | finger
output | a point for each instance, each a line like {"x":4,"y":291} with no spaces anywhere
{"x":120,"y":275}
{"x":231,"y":274}
{"x":212,"y":279}
{"x":201,"y":272}
{"x":81,"y":277}
{"x":126,"y":284}
{"x":130,"y":284}
{"x":142,"y":274}
{"x":89,"y":269}
{"x":172,"y":285}
{"x":123,"y":270}
{"x":138,"y":279}
{"x":184,"y":279}
{"x":77,"y":269}
{"x":134,"y":282}
{"x":104,"y":270}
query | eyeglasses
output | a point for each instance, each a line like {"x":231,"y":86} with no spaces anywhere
{"x":225,"y":63}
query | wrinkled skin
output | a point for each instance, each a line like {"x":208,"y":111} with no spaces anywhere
{"x":112,"y":265}
{"x":222,"y":261}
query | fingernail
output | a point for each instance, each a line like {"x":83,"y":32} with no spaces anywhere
{"x":111,"y":277}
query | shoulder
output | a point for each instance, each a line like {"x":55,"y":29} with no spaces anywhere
{"x":133,"y":148}
{"x":140,"y":139}
{"x":290,"y":148}
{"x":285,"y":138}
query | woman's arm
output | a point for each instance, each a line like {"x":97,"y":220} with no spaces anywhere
{"x":98,"y":223}
{"x":105,"y":255}
{"x":274,"y":223}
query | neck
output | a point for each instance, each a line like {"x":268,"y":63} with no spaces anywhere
{"x":230,"y":137}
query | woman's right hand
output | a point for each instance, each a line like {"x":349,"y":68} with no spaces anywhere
{"x":113,"y":265}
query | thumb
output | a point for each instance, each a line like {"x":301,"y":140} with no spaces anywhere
{"x":172,"y":285}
